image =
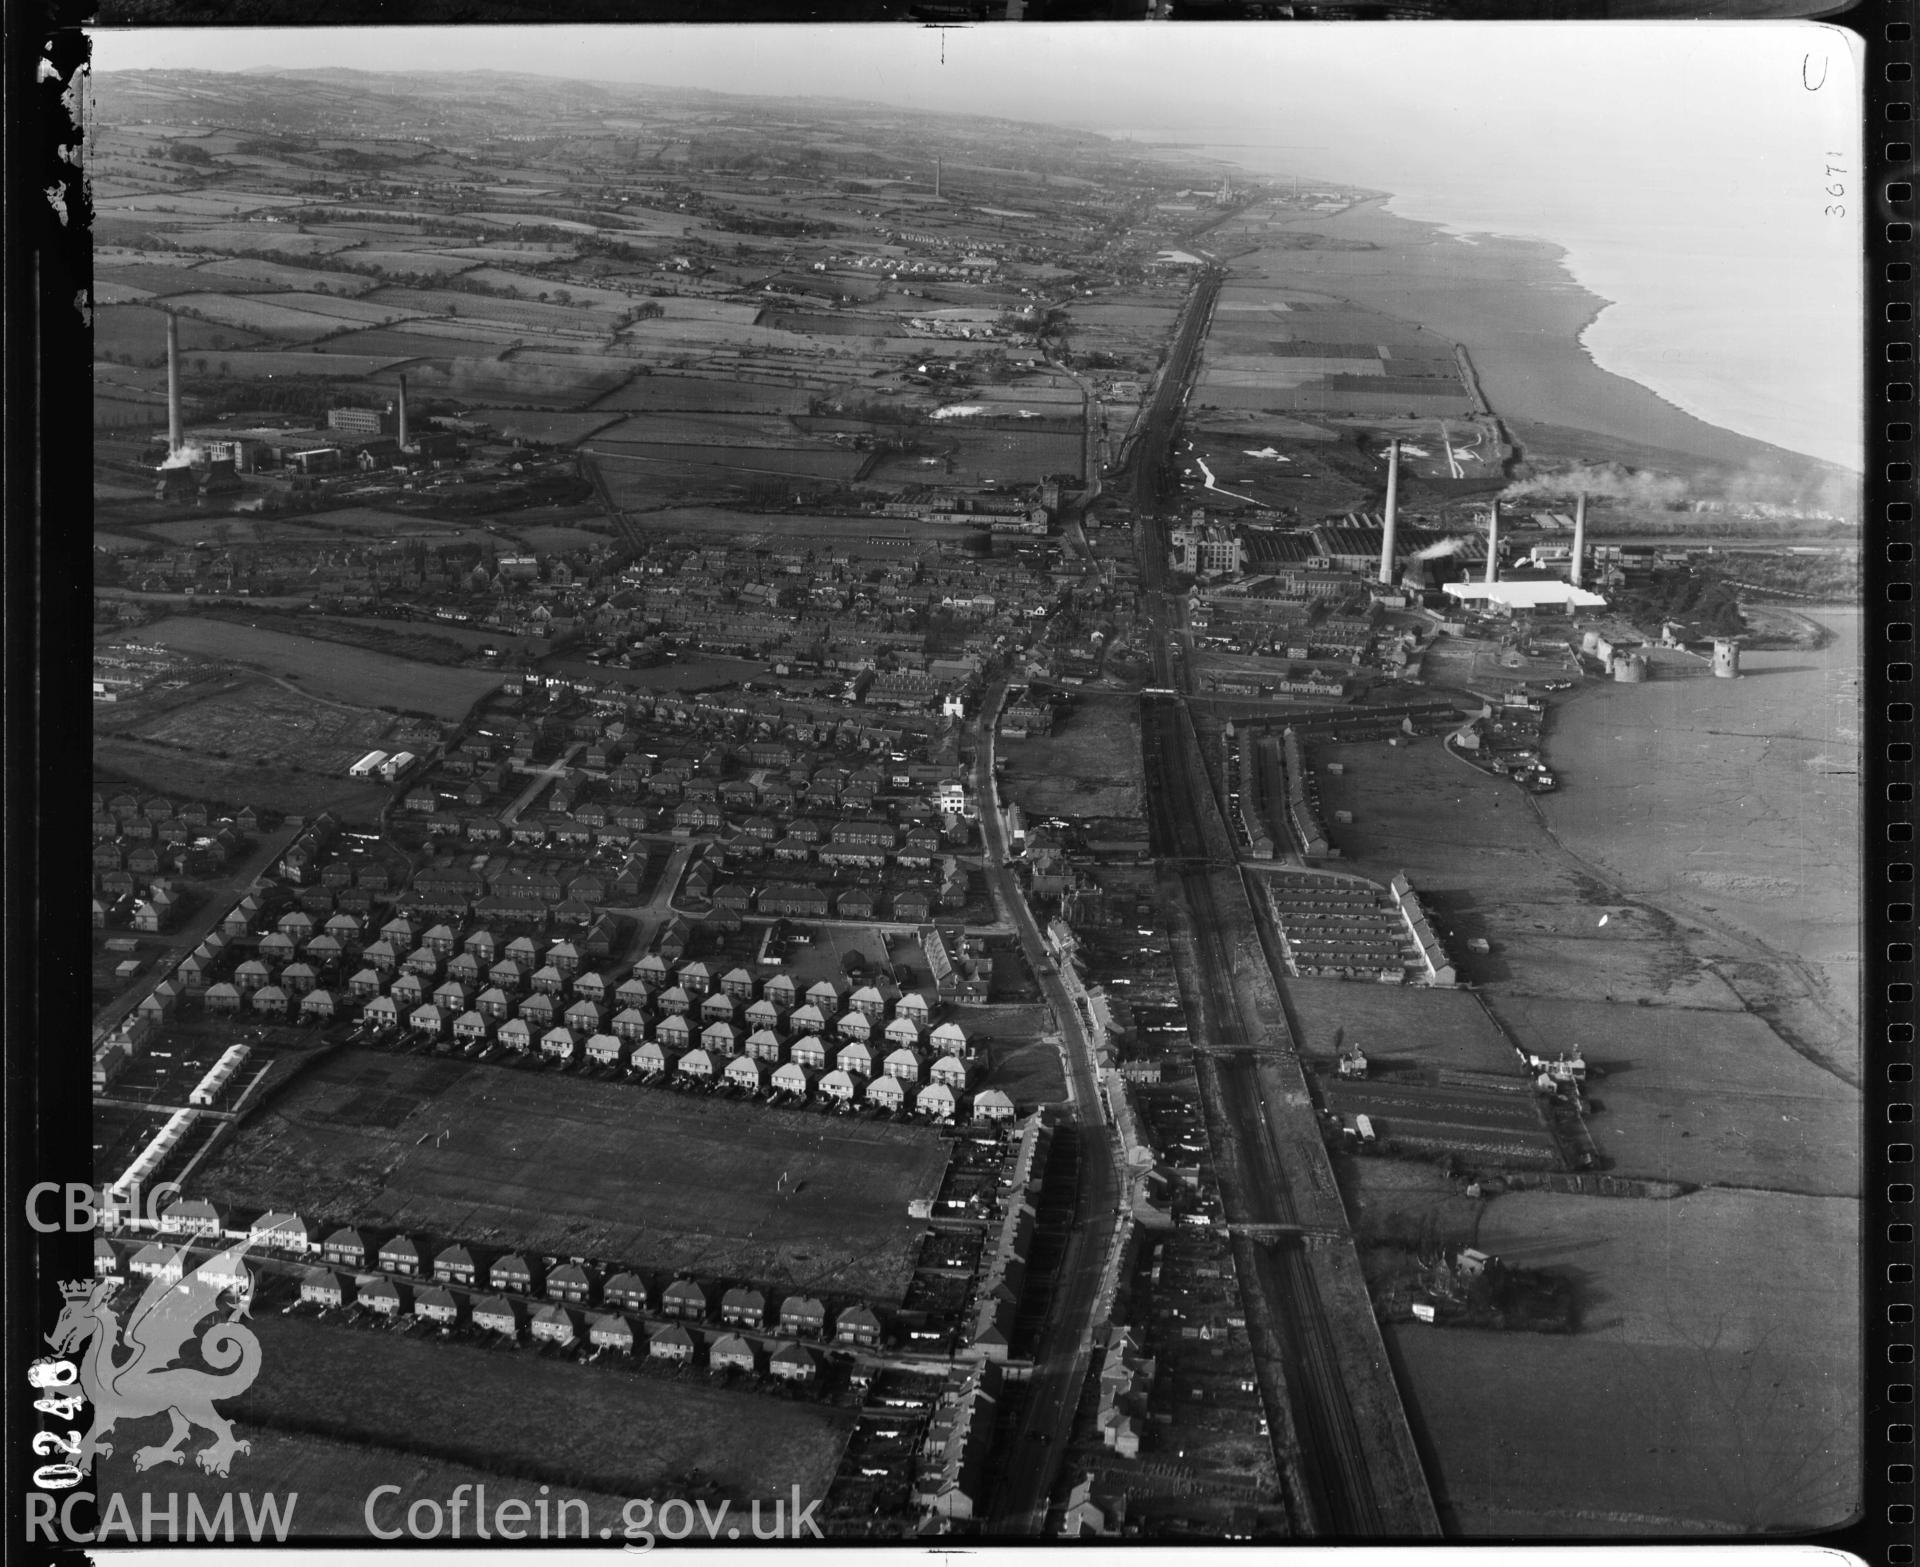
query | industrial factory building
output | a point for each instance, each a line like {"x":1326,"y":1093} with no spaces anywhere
{"x":1507,"y":596}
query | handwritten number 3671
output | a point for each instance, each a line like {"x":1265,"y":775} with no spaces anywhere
{"x":1836,"y":188}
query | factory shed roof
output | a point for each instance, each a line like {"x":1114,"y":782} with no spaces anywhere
{"x":1524,"y":595}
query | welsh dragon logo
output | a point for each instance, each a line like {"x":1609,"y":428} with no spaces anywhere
{"x":148,"y":1381}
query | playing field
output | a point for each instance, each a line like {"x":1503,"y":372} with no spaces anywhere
{"x":337,"y":673}
{"x":580,"y":1167}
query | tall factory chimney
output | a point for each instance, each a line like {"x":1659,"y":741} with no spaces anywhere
{"x":936,"y":179}
{"x":403,"y":413}
{"x":1493,"y":543}
{"x":176,"y":438}
{"x":1579,"y":537}
{"x":1393,"y":507}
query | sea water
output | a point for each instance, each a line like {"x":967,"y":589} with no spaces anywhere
{"x":1769,"y":351}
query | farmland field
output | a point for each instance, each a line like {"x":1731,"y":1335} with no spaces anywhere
{"x":1403,"y":1025}
{"x":141,"y":332}
{"x":1716,"y":1367}
{"x":574,"y":1166}
{"x":278,"y":273}
{"x":331,"y":1477}
{"x":604,"y":1428}
{"x":453,"y":368}
{"x":753,"y":460}
{"x":342,"y":675}
{"x":431,"y":263}
{"x":1702,"y":1096}
{"x":686,"y":394}
{"x":257,"y":313}
{"x":719,"y":429}
{"x":522,"y":315}
{"x":392,"y":343}
{"x":557,"y":429}
{"x":255,"y":236}
{"x":269,"y":362}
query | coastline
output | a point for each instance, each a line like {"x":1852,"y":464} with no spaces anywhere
{"x":1524,"y":316}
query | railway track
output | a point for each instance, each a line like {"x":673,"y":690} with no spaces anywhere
{"x":1332,"y":1463}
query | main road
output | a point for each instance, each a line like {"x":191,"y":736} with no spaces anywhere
{"x":1039,"y":1440}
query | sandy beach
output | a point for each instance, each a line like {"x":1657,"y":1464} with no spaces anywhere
{"x":1520,"y":314}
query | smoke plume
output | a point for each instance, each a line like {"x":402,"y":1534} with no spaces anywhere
{"x":1444,"y":547}
{"x":1609,"y":481}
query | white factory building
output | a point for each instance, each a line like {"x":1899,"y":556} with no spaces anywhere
{"x":1504,"y":598}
